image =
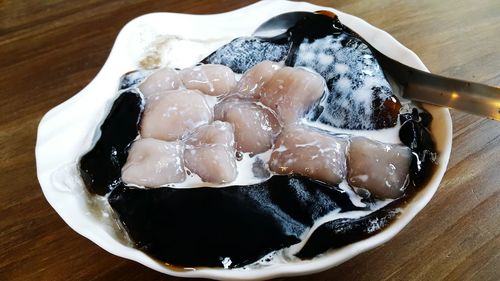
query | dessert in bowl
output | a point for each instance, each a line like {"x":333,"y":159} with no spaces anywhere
{"x":285,"y":246}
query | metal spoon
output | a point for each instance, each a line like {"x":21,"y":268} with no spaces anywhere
{"x":418,"y":85}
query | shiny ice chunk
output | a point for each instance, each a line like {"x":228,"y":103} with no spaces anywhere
{"x":291,"y":92}
{"x":255,"y":127}
{"x":154,"y":163}
{"x":210,"y":153}
{"x":308,"y":152}
{"x":360,"y":97}
{"x":164,"y":79}
{"x":382,"y":169}
{"x":169,"y":115}
{"x":211,"y":79}
{"x":251,"y":82}
{"x":243,"y":53}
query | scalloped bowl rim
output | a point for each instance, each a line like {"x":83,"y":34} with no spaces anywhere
{"x":67,"y":131}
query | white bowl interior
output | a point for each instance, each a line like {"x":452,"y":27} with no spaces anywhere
{"x":67,"y":131}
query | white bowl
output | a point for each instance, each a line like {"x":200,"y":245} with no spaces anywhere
{"x":67,"y":131}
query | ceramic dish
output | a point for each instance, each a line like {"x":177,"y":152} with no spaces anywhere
{"x":67,"y":131}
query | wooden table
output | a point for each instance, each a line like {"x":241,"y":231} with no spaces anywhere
{"x":49,"y":50}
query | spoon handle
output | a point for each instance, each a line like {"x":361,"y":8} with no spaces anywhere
{"x":426,"y":87}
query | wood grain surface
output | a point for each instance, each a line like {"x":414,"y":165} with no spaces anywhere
{"x":49,"y":50}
